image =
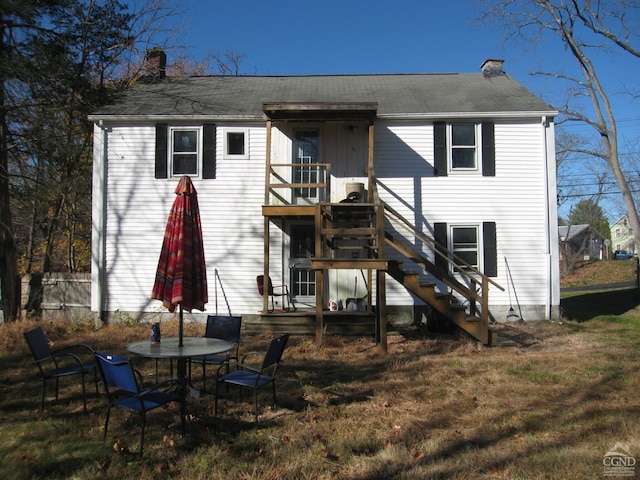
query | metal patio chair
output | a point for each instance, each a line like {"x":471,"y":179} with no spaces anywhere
{"x":246,"y":376}
{"x":273,"y":291}
{"x":226,"y":328}
{"x":124,"y":390}
{"x":63,"y":362}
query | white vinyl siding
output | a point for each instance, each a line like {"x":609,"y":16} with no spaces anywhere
{"x":138,"y":207}
{"x":514,"y":198}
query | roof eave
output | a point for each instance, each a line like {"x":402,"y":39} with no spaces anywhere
{"x":261,"y":117}
{"x":96,"y":118}
{"x":450,"y":115}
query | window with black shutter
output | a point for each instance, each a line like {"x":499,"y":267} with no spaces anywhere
{"x":475,"y":244}
{"x":463,"y":147}
{"x":184,"y":150}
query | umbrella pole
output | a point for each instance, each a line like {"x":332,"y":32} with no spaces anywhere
{"x":180,"y":325}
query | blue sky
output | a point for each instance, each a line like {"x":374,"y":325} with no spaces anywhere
{"x":305,"y":37}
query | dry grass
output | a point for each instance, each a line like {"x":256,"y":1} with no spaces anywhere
{"x":601,"y":272}
{"x":430,"y":407}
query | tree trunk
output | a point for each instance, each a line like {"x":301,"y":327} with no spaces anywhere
{"x":8,"y":257}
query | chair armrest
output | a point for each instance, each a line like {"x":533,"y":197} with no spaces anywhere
{"x":250,"y":354}
{"x":77,"y":346}
{"x":58,"y":355}
{"x":159,"y":386}
{"x":284,"y":288}
{"x":78,"y":350}
{"x":238,"y":366}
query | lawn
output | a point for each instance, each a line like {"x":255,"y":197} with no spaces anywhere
{"x":438,"y":407}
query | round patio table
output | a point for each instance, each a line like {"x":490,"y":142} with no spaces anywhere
{"x":169,"y":348}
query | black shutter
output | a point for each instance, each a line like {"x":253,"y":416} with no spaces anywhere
{"x":440,"y":236}
{"x":161,"y":151}
{"x":488,"y":150}
{"x":490,"y":249}
{"x":440,"y":149}
{"x":209,"y":151}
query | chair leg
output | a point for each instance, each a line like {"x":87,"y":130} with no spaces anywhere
{"x":84,"y":393}
{"x":273,"y":304}
{"x":204,"y":376}
{"x":275,"y":404}
{"x":143,"y":423}
{"x":215,"y":402}
{"x":44,"y":385}
{"x":255,"y":404}
{"x":95,"y":379}
{"x":106,"y":422}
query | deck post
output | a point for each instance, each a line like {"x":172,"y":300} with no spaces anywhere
{"x":381,"y":310}
{"x":319,"y":277}
{"x":267,"y":182}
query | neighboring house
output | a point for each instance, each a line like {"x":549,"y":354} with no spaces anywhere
{"x":445,"y":167}
{"x":622,"y":236}
{"x":581,"y":240}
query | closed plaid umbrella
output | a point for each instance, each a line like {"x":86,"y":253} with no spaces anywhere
{"x":181,"y":277}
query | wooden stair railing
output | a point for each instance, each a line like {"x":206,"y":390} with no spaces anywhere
{"x":476,"y":322}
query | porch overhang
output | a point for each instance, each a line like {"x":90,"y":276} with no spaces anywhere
{"x":300,"y":111}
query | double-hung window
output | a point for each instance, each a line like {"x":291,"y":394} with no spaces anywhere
{"x":465,"y":243}
{"x":464,"y":147}
{"x":185,"y":151}
{"x":473,"y":243}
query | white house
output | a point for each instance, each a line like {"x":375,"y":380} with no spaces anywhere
{"x":622,"y":235}
{"x":454,"y":174}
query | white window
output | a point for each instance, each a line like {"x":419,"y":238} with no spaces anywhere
{"x":185,"y":147}
{"x":465,"y":244}
{"x":464,"y":145}
{"x":236,"y":143}
{"x":618,"y":233}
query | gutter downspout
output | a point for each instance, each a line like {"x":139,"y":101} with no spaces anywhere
{"x":551,"y":218}
{"x":98,"y":215}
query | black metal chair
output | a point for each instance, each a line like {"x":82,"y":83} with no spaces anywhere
{"x":282,"y":291}
{"x":226,"y":328}
{"x":246,"y":376}
{"x":63,"y":362}
{"x":124,"y":390}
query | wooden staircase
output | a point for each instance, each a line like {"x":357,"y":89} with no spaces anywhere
{"x":353,"y":234}
{"x":444,"y":303}
{"x":472,"y":316}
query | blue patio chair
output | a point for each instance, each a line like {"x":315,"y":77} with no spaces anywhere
{"x":223,"y":327}
{"x":246,"y":376}
{"x":63,"y":362}
{"x":125,"y":391}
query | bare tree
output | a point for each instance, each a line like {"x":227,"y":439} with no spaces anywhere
{"x":585,"y":28}
{"x":61,"y":60}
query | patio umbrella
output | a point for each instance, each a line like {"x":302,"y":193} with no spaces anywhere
{"x":181,"y":276}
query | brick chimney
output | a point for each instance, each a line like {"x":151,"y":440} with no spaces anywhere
{"x":492,"y":67}
{"x":156,"y":63}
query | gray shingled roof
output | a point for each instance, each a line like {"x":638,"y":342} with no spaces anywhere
{"x":396,"y":94}
{"x":575,"y":231}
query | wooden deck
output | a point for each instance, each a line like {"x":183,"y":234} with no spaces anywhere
{"x":303,"y":322}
